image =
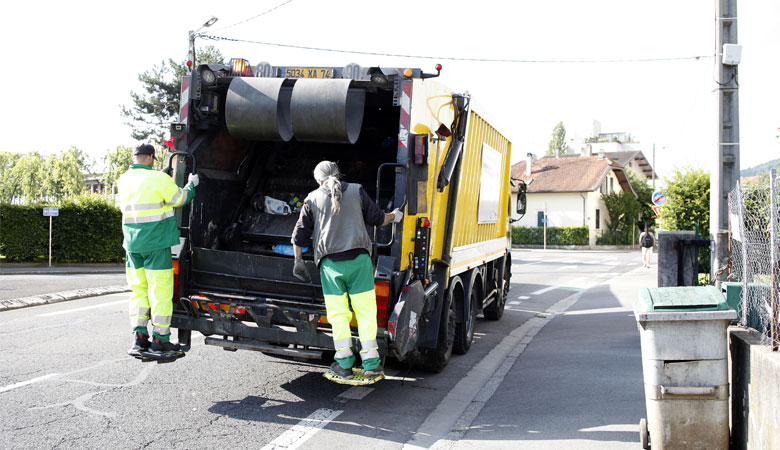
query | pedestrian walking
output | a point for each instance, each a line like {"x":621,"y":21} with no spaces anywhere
{"x":334,"y":218}
{"x":646,"y":241}
{"x":147,"y":198}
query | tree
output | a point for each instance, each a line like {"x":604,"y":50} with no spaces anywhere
{"x":622,"y":210}
{"x":25,"y":177}
{"x":8,"y":184}
{"x":644,"y":194}
{"x":558,"y":141}
{"x":64,"y":174}
{"x":687,"y":201}
{"x":157,"y":106}
{"x":117,"y":162}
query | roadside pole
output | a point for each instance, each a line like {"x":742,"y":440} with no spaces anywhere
{"x":50,"y":212}
{"x":545,"y":227}
{"x":726,"y":174}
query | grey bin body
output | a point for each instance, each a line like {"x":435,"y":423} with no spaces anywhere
{"x":685,"y":366}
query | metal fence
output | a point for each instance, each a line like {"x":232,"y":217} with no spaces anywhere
{"x":753,"y":229}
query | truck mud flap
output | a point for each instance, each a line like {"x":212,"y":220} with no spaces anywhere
{"x":403,"y":323}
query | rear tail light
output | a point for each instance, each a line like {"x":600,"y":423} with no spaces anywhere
{"x":240,"y":68}
{"x":382,"y":289}
{"x":175,"y":280}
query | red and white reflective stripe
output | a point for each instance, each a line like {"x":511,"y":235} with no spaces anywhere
{"x":184,"y":100}
{"x":406,"y":107}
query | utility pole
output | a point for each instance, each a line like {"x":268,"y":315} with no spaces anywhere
{"x":653,"y":167}
{"x":726,"y":174}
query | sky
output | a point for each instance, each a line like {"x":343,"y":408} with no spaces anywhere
{"x":78,"y":61}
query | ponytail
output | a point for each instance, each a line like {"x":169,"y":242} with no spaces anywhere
{"x":333,"y":185}
{"x":327,"y":174}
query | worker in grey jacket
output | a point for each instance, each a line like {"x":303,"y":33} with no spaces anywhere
{"x":334,"y":218}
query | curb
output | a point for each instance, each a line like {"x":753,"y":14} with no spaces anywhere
{"x":24,"y":302}
{"x":75,"y":271}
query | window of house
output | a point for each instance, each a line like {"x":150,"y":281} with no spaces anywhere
{"x":611,"y":185}
{"x":540,"y":219}
{"x":598,"y":219}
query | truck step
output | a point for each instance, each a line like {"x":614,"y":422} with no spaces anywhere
{"x":265,"y":348}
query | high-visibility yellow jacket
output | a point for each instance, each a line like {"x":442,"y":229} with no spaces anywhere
{"x":147,"y":198}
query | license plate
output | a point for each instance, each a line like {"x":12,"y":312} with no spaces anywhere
{"x":308,"y":72}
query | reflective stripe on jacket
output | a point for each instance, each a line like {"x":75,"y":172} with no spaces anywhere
{"x":147,"y":198}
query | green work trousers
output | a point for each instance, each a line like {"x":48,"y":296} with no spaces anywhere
{"x":150,"y":277}
{"x":345,"y":282}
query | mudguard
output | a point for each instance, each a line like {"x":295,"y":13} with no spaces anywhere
{"x":403,"y":323}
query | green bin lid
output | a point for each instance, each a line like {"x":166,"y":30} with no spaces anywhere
{"x":682,"y":298}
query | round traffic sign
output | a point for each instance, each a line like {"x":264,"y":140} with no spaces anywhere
{"x":658,"y":197}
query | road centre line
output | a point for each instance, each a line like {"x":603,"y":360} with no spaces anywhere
{"x":28,"y":382}
{"x":303,"y":430}
{"x":85,"y":308}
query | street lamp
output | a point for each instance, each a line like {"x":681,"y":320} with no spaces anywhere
{"x":192,"y":35}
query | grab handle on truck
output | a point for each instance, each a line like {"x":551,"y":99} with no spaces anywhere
{"x":401,"y":207}
{"x":169,"y":168}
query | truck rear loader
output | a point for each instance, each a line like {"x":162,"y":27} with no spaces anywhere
{"x":254,"y":135}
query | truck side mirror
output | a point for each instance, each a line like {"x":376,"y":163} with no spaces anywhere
{"x":521,"y":196}
{"x":521,"y":201}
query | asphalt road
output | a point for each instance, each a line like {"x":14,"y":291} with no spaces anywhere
{"x":17,"y":286}
{"x":66,"y":382}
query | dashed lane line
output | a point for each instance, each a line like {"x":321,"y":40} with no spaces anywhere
{"x":85,"y":308}
{"x":303,"y":430}
{"x":27,"y":382}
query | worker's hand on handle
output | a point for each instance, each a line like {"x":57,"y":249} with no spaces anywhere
{"x":300,"y":272}
{"x":194,"y":179}
{"x":398,"y":215}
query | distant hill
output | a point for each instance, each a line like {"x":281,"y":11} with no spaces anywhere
{"x":761,"y":168}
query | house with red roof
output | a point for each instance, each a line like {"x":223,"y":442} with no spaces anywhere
{"x":567,"y":190}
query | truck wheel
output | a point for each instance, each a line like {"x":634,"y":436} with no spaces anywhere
{"x":436,"y":359}
{"x":496,"y":309}
{"x":464,"y":331}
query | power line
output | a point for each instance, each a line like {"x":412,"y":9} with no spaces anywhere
{"x":453,"y":58}
{"x":255,"y":17}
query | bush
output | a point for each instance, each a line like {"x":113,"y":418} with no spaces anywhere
{"x":618,"y":237}
{"x":555,"y":235}
{"x":87,"y":230}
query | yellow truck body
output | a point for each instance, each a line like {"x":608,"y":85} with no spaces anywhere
{"x":257,"y":132}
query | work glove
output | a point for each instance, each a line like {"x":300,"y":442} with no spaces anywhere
{"x":398,"y":215}
{"x":300,"y":272}
{"x":194,"y":179}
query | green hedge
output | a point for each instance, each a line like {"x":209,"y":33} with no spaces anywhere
{"x":555,"y":235}
{"x":618,"y":237}
{"x":88,"y":230}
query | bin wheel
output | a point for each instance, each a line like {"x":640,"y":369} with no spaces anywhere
{"x":643,"y":435}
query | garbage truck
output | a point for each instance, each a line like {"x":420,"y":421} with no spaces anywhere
{"x":254,"y":134}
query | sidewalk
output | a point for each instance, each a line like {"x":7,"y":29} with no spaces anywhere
{"x":577,"y":384}
{"x":67,"y":269}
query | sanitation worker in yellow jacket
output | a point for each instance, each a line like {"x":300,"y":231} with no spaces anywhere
{"x":147,"y":199}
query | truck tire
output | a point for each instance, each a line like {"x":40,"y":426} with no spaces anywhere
{"x":436,"y":359}
{"x":496,"y":309}
{"x":464,"y":331}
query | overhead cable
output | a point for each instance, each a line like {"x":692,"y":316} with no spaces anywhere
{"x":254,"y":17}
{"x":454,"y":58}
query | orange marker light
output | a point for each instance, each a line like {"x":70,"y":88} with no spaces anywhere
{"x":408,"y":73}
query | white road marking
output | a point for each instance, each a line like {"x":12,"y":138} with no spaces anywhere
{"x":523,"y":297}
{"x":85,"y":308}
{"x":354,"y":393}
{"x":515,"y":302}
{"x":544,"y":290}
{"x":304,"y":430}
{"x":28,"y":382}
